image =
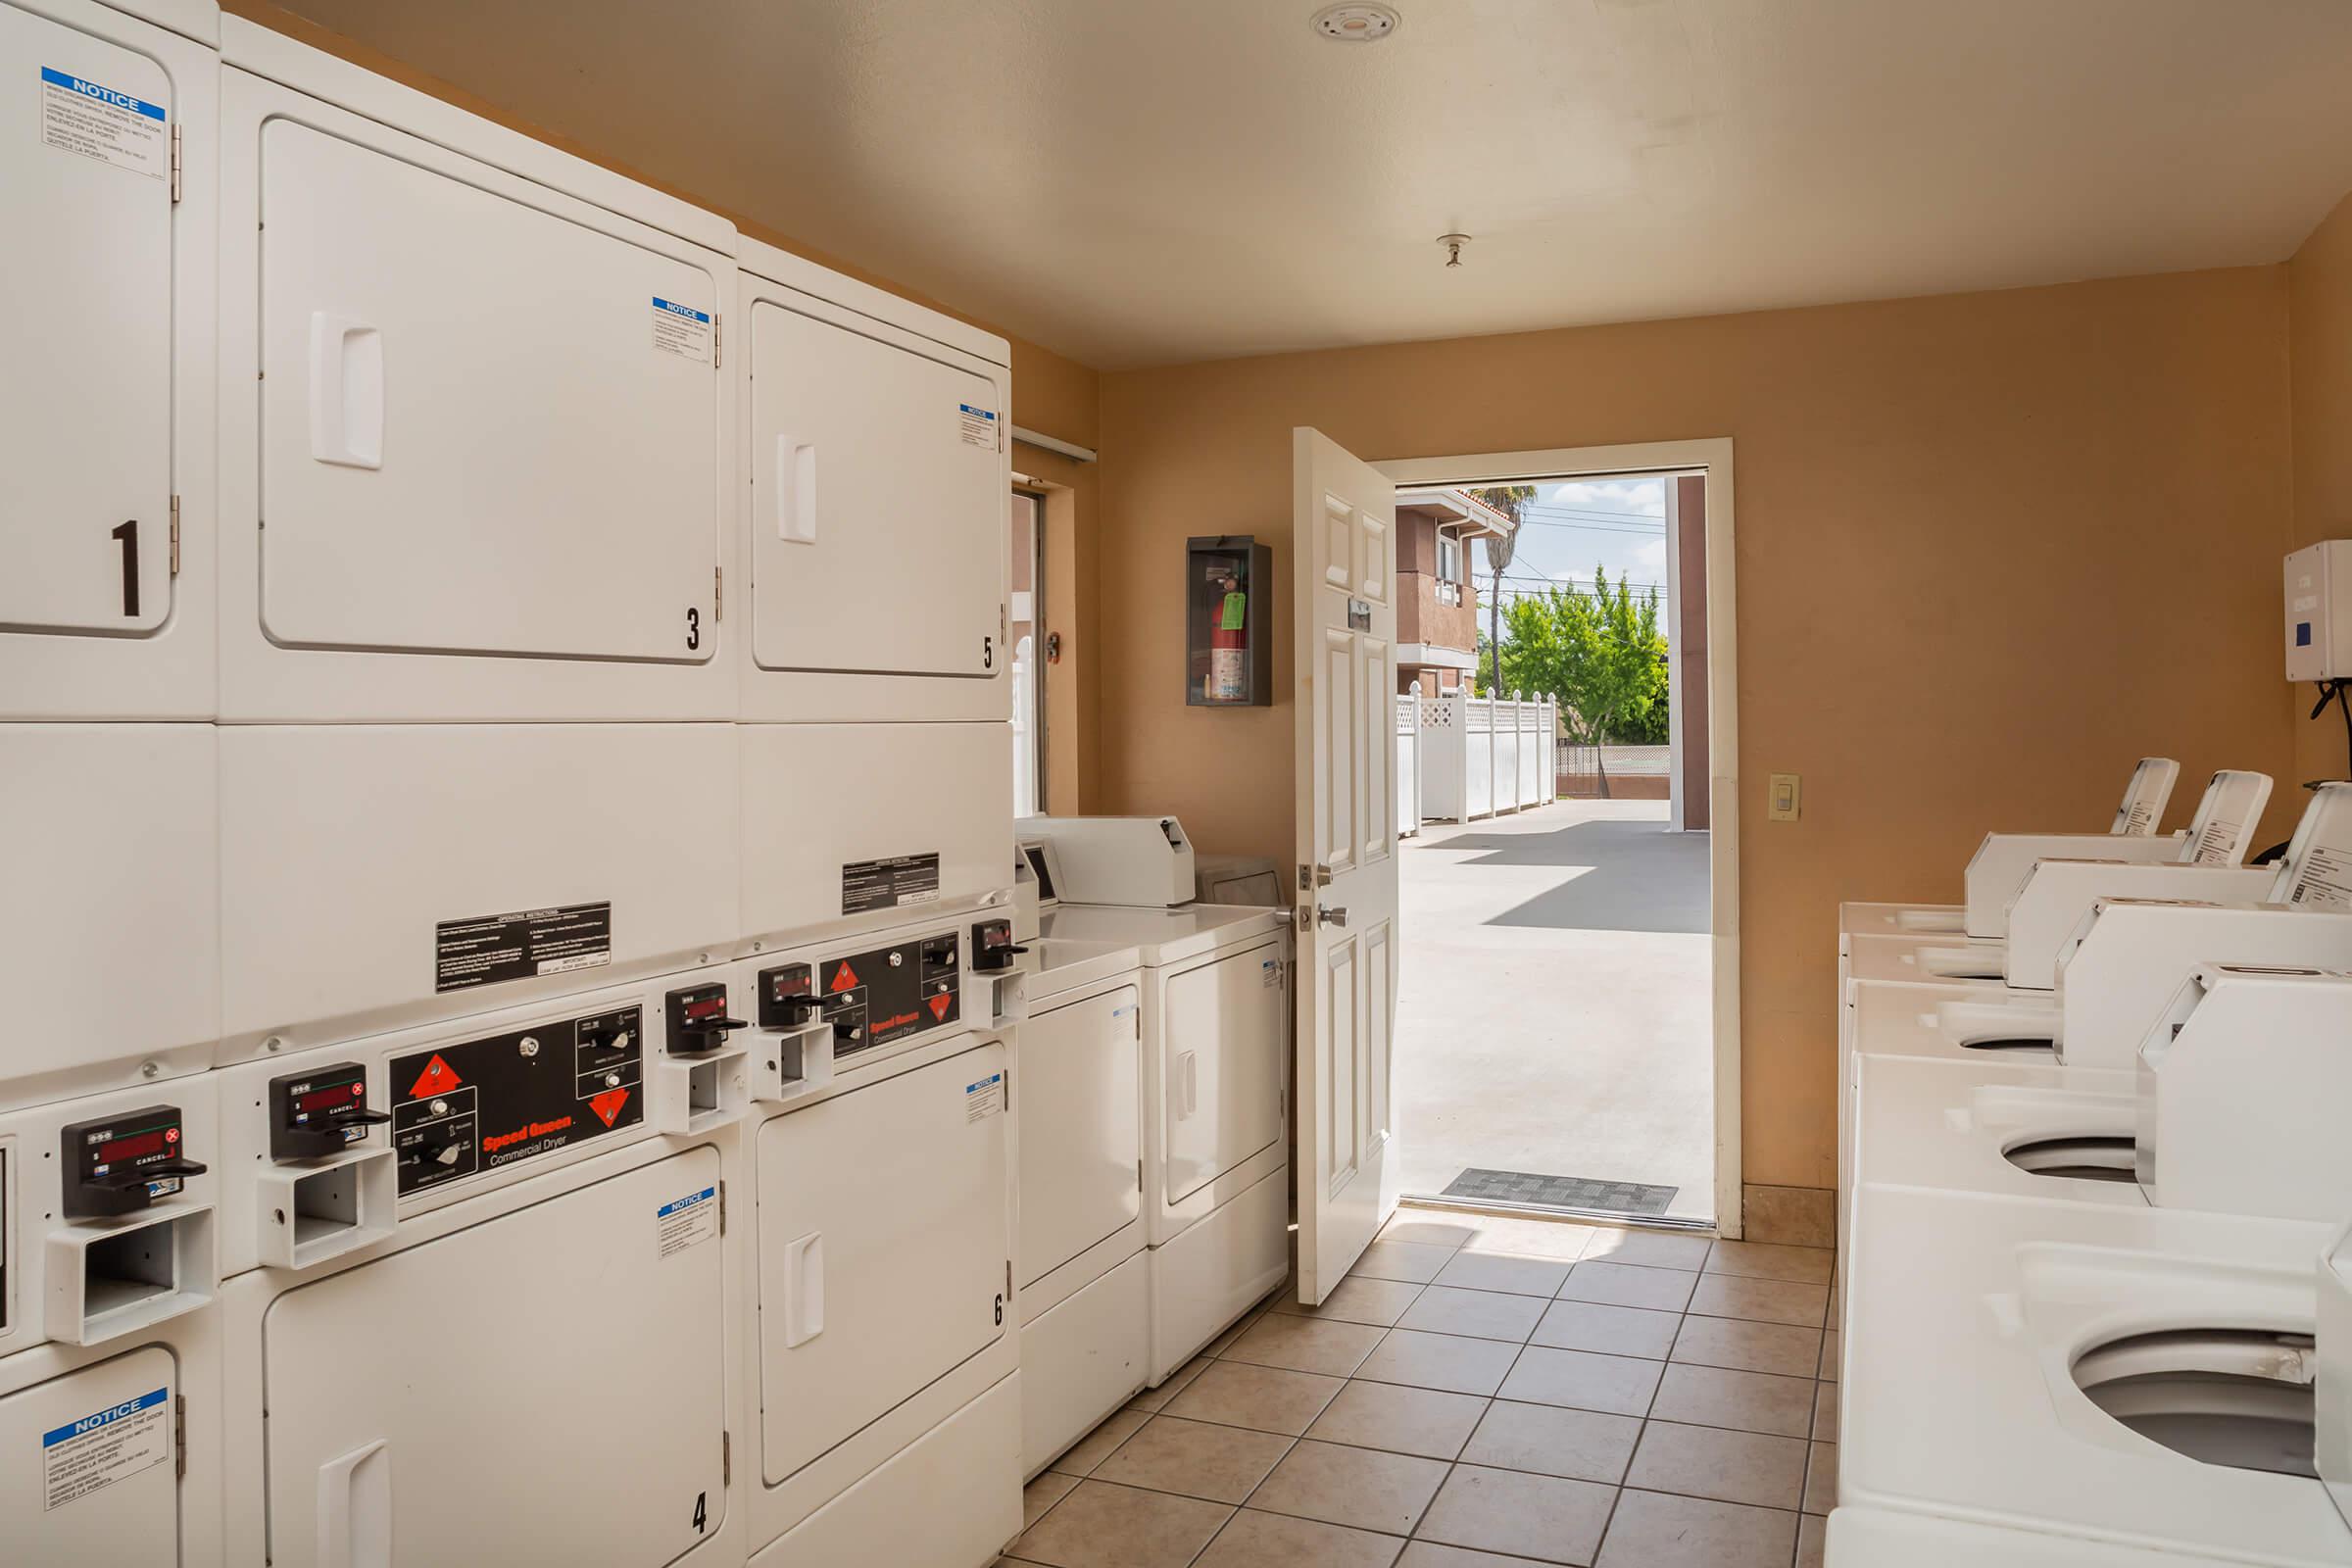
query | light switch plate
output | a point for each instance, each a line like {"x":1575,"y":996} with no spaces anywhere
{"x":1783,"y":804}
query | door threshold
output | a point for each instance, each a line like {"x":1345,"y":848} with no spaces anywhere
{"x":1606,"y":1216}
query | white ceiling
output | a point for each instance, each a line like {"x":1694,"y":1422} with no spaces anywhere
{"x":1142,"y":182}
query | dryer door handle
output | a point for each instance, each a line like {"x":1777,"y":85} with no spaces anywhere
{"x":355,"y":1508}
{"x":1188,"y":1084}
{"x":803,"y":1289}
{"x":796,"y":491}
{"x":347,"y":391}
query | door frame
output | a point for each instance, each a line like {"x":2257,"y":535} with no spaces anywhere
{"x":1711,"y":456}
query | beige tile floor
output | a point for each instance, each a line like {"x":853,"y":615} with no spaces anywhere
{"x":1481,"y":1392}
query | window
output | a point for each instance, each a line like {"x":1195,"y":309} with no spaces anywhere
{"x":1023,"y":631}
{"x":1449,"y":568}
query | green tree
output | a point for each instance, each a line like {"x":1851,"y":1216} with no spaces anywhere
{"x":1507,"y":498}
{"x":1601,"y":654}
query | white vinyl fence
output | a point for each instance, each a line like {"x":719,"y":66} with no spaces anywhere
{"x":1474,"y":756}
{"x":1408,"y":763}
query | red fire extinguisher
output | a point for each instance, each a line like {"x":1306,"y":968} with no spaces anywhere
{"x":1229,"y":643}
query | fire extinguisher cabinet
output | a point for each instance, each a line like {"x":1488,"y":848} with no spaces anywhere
{"x":1228,"y":634}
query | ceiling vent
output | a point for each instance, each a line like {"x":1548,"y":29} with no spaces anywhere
{"x":1357,"y":24}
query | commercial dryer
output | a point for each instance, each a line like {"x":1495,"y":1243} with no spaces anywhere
{"x":881,"y":1322}
{"x":109,"y":1349}
{"x":430,"y":1319}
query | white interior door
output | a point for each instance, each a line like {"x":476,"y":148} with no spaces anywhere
{"x":1344,"y":569}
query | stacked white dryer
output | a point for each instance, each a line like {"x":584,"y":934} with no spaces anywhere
{"x":479,"y":829}
{"x":109,"y":943}
{"x":504,"y":743}
{"x":876,"y":779}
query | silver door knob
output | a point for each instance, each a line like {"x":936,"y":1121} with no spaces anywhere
{"x":1333,"y":916}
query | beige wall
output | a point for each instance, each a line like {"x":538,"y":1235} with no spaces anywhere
{"x":1990,"y":549}
{"x":2320,"y":284}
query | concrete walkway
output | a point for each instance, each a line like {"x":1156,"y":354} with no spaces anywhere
{"x":1553,"y":1009}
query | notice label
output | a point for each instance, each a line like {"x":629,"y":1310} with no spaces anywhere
{"x":681,"y":330}
{"x":496,"y":948}
{"x":685,"y":1222}
{"x":985,"y":1097}
{"x":979,"y":426}
{"x":90,"y":120}
{"x":1269,"y":974}
{"x":890,"y":883}
{"x":105,"y":1446}
{"x":2214,"y":844}
{"x":2325,"y":880}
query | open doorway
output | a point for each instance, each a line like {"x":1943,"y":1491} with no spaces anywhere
{"x":1566,"y":1030}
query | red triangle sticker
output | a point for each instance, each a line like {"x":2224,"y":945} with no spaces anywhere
{"x":845,"y":978}
{"x":608,"y":1104}
{"x":438,"y":1078}
{"x":939,"y":1005}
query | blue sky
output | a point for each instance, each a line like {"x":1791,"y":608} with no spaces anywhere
{"x":1568,"y":529}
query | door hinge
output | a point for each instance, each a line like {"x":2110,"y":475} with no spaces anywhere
{"x":722,"y":1205}
{"x":176,"y":536}
{"x":175,"y":163}
{"x":726,"y":1458}
{"x":179,"y":1435}
{"x":718,"y":595}
{"x":718,"y":337}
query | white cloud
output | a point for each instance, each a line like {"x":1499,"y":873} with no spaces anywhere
{"x":1646,"y":496}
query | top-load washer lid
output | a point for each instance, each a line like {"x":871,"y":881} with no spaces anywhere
{"x":1066,"y":964}
{"x":1165,"y":936}
{"x":1987,"y":1126}
{"x":1967,"y":1319}
{"x":2151,"y":786}
{"x":2332,"y":1401}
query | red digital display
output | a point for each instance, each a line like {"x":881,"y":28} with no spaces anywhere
{"x":330,"y":1099}
{"x":708,"y":1008}
{"x":131,"y":1147}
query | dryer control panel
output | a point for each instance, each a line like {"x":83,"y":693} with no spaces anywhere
{"x":463,"y":1109}
{"x":120,"y":1164}
{"x":890,"y":994}
{"x":319,"y":1113}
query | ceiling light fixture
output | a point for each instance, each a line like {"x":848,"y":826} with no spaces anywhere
{"x":1356,"y":23}
{"x":1453,"y":244}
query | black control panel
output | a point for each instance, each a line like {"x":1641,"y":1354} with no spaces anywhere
{"x":460,"y":1110}
{"x":788,"y":995}
{"x":993,"y":948}
{"x":698,"y":1019}
{"x":324,"y":1111}
{"x":120,"y":1164}
{"x":873,"y":998}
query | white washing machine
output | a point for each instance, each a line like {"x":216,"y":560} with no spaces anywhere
{"x":2134,"y":1376}
{"x":1080,"y":1256}
{"x":110,"y":1354}
{"x":2138,"y":816}
{"x":2002,"y":862}
{"x":875,"y":476}
{"x":882,"y":1321}
{"x":429,"y":1320}
{"x":1986,"y":1127}
{"x":1882,"y":1538}
{"x":1215,"y":1035}
{"x":476,"y":420}
{"x":2053,"y":893}
{"x":107,"y":385}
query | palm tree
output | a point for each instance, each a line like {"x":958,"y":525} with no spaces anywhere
{"x":1506,"y":498}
